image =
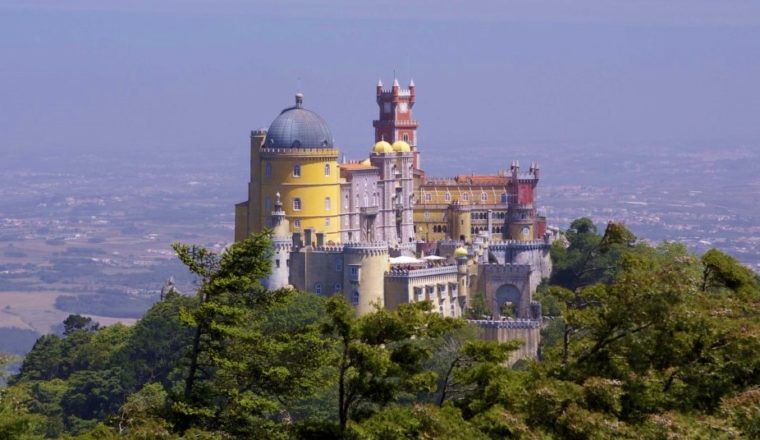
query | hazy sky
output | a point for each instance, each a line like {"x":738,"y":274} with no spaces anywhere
{"x":198,"y":75}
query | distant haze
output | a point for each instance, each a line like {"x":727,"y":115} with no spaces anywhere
{"x":198,"y":75}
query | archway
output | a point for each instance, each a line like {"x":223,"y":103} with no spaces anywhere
{"x":507,"y":301}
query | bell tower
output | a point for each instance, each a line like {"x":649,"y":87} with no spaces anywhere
{"x":395,"y":122}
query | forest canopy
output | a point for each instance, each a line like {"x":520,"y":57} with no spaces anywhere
{"x":639,"y":341}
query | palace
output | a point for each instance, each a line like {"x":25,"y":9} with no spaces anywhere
{"x":382,"y":233}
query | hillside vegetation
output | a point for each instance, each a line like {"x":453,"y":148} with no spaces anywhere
{"x":640,"y":342}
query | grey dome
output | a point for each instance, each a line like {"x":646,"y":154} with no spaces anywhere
{"x":297,"y":127}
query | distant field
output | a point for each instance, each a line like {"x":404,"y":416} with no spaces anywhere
{"x":36,"y":311}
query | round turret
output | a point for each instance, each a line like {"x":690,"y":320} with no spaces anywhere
{"x":401,"y":147}
{"x":382,"y":147}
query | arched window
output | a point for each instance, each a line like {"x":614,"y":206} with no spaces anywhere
{"x":328,"y":204}
{"x":327,"y":169}
{"x":268,"y":169}
{"x":355,"y":298}
{"x":406,"y":137}
{"x":428,"y":197}
{"x":318,"y":288}
{"x":338,"y":288}
{"x":296,"y":204}
{"x":447,"y":197}
{"x":296,"y":170}
{"x":366,"y":200}
{"x":483,"y":197}
{"x":466,"y":197}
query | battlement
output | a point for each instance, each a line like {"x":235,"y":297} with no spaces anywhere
{"x":374,"y":248}
{"x":400,"y":92}
{"x":502,"y":245}
{"x":396,"y":123}
{"x":337,"y":249}
{"x":507,"y":323}
{"x":507,"y":268}
{"x":412,"y":272}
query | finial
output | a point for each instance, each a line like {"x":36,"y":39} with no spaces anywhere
{"x":411,"y":83}
{"x":299,"y":100}
{"x":395,"y":82}
{"x":379,"y":83}
{"x":279,"y":202}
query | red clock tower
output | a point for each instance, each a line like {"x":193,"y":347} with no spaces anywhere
{"x":395,"y":122}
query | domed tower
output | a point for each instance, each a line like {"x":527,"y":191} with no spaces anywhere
{"x":296,"y":158}
{"x":281,"y":245}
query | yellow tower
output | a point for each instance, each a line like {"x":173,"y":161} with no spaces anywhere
{"x":296,"y":158}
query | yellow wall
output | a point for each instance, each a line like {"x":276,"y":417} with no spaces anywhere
{"x":312,"y":187}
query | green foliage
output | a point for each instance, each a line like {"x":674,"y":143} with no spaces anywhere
{"x":415,"y":422}
{"x":16,"y":420}
{"x":643,"y":343}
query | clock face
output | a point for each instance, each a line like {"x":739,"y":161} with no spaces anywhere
{"x":402,"y":107}
{"x":525,"y":231}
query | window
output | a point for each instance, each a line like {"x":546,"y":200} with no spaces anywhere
{"x":327,"y":169}
{"x":354,"y":273}
{"x":297,"y":223}
{"x":355,"y":298}
{"x":277,"y":263}
{"x":406,"y":137}
{"x":426,"y":215}
{"x":453,"y":310}
{"x":366,"y":200}
{"x":327,"y":221}
{"x":418,"y":293}
{"x":328,"y":204}
{"x":466,"y":197}
{"x":428,"y":197}
{"x":338,"y":287}
{"x":268,"y":169}
{"x":447,"y":197}
{"x":483,"y":197}
{"x":318,"y":288}
{"x":338,"y":264}
{"x":296,"y":204}
{"x":504,"y":198}
{"x":296,"y":170}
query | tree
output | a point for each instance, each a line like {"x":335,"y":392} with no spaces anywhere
{"x":382,"y":354}
{"x":244,"y":363}
{"x":78,"y":322}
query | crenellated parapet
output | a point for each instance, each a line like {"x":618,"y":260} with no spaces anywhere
{"x":371,"y":248}
{"x":522,"y":269}
{"x":421,"y":272}
{"x":507,"y":323}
